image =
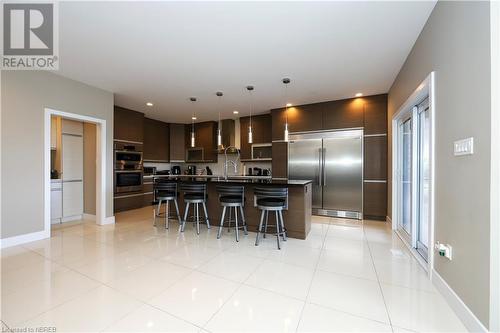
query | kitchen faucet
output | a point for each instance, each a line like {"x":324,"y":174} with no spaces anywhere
{"x":234,"y":163}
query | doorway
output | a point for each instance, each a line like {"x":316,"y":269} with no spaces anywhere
{"x":100,"y":164}
{"x":413,"y":172}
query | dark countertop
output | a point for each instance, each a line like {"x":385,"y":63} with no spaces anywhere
{"x":237,"y":180}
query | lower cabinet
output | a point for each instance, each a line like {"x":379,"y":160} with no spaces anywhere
{"x":375,"y":200}
{"x":128,"y":201}
{"x":72,"y":198}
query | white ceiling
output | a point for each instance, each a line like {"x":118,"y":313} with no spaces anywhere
{"x":165,"y":52}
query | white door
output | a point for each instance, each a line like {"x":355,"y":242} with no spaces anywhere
{"x":424,"y":177}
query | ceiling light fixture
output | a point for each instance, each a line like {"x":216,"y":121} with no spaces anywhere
{"x":359,"y":94}
{"x":286,"y":81}
{"x":193,"y":118}
{"x":219,"y":129}
{"x":236,"y":112}
{"x":250,"y":134}
{"x":149,"y":104}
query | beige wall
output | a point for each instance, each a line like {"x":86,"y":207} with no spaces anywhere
{"x":455,"y":43}
{"x":89,"y":168}
{"x":25,"y":94}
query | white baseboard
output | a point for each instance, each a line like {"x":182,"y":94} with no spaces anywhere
{"x":22,"y":239}
{"x":71,"y":218}
{"x":461,"y":310}
{"x":109,"y":220}
{"x":89,"y":216}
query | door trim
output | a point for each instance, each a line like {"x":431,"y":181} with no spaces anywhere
{"x":100,"y":164}
{"x":426,"y":88}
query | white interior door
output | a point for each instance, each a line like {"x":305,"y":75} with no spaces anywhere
{"x":424,"y":177}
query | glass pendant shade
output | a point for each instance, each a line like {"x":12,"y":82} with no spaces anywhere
{"x":192,"y":140}
{"x":286,"y":132}
{"x":250,"y":134}
{"x":219,"y":138}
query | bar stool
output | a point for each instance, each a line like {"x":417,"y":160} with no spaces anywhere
{"x":232,"y":197}
{"x":195,"y":194}
{"x":270,"y":199}
{"x":165,"y":191}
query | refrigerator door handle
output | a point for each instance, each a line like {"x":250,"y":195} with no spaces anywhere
{"x":320,"y":160}
{"x":324,"y":167}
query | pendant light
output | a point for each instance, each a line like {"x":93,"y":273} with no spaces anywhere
{"x":286,"y":81}
{"x":193,"y":118}
{"x":219,"y":130}
{"x":250,"y":134}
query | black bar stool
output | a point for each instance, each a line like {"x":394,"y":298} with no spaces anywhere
{"x":271,"y":199}
{"x":165,"y":191}
{"x":195,"y":194}
{"x":232,"y":197}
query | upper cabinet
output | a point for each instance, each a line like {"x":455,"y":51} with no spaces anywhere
{"x":128,"y":125}
{"x":177,"y":143}
{"x":300,"y":118}
{"x":375,"y":112}
{"x":344,"y":113}
{"x":156,"y":141}
{"x":205,"y":138}
{"x":261,"y":133}
{"x":369,"y":112}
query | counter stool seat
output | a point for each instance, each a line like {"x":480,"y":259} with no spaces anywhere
{"x":232,"y":197}
{"x":271,"y":199}
{"x":195,"y":194}
{"x":165,"y":191}
{"x":271,"y":202}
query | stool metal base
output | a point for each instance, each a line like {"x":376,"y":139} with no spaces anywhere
{"x":237,"y":227}
{"x":166,"y":214}
{"x":196,"y":215}
{"x":280,"y":224}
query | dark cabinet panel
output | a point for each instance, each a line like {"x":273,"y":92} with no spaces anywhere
{"x":129,"y":201}
{"x":345,"y":113}
{"x":300,"y":118}
{"x":280,"y":159}
{"x":375,"y":157}
{"x":261,"y":131}
{"x":177,"y":142}
{"x":156,"y":141}
{"x":375,"y":200}
{"x":205,"y":137}
{"x":375,"y":112}
{"x":128,"y":125}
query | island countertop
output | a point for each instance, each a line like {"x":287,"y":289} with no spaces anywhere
{"x":234,"y":179}
{"x":297,"y":216}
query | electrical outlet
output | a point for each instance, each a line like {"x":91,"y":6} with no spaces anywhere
{"x":444,"y":250}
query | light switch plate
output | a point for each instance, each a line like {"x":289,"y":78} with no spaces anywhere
{"x":464,"y":147}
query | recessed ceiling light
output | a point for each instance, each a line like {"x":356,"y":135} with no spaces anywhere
{"x":149,"y":104}
{"x":194,"y":118}
{"x":359,"y":94}
{"x":236,"y":112}
{"x":288,"y":105}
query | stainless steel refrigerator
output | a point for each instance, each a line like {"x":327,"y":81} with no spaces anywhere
{"x":333,"y":160}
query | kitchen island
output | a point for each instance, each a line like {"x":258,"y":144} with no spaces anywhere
{"x":297,"y":217}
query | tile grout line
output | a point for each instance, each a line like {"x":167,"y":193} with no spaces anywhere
{"x":313,"y":276}
{"x":378,"y":281}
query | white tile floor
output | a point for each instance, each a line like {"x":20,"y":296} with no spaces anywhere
{"x":135,"y":277}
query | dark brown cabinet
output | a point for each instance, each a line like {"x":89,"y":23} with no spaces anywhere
{"x":280,"y":159}
{"x":345,"y":113}
{"x":156,"y":141}
{"x":300,"y":118}
{"x":261,"y":133}
{"x":375,"y":157}
{"x":375,"y":200}
{"x":375,"y":114}
{"x":205,"y":137}
{"x":177,"y":142}
{"x":128,"y":125}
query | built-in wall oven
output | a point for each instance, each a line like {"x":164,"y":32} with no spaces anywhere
{"x":128,"y":167}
